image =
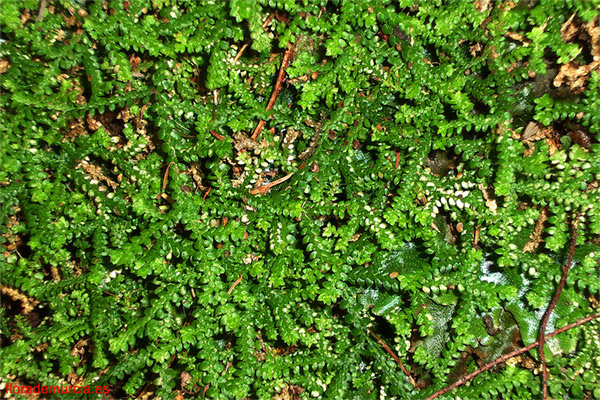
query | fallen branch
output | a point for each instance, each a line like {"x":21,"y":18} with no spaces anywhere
{"x":166,"y":175}
{"x":188,"y":320}
{"x":395,"y":357}
{"x":41,"y":10}
{"x":284,"y":64}
{"x":235,"y":284}
{"x":508,"y":356}
{"x":245,"y":46}
{"x":215,"y":134}
{"x":559,"y":289}
{"x":27,"y":304}
{"x":264,"y":189}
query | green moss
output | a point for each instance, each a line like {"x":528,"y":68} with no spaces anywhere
{"x":127,"y":172}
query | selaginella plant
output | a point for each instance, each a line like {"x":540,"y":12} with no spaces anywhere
{"x":299,"y":199}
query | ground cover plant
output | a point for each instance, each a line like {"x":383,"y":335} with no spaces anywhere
{"x":301,"y":199}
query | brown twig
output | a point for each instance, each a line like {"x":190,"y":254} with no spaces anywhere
{"x":395,"y":357}
{"x":397,"y":161}
{"x":27,"y":303}
{"x":41,"y":10}
{"x":508,"y":356}
{"x":239,"y":54}
{"x":268,"y":21}
{"x":284,"y":64}
{"x":166,"y":175}
{"x":264,"y":189}
{"x":188,"y":320}
{"x":550,"y":308}
{"x":215,"y":102}
{"x":207,"y":192}
{"x":215,"y":134}
{"x":235,"y":284}
{"x":245,"y":46}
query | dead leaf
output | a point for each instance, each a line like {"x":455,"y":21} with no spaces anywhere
{"x":531,"y":130}
{"x":289,"y":392}
{"x":489,"y":202}
{"x":536,"y":236}
{"x":518,"y":37}
{"x":482,"y":5}
{"x":569,"y":29}
{"x":575,"y":75}
{"x":4,"y":65}
{"x":27,"y":303}
{"x":572,"y":73}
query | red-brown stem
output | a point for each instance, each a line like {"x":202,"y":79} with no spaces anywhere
{"x":508,"y":356}
{"x":268,"y":21}
{"x":284,"y":63}
{"x":235,"y":284}
{"x":264,"y":189}
{"x":166,"y":175}
{"x":397,"y":160}
{"x":215,"y":134}
{"x":143,"y":110}
{"x":245,"y":46}
{"x":259,"y":127}
{"x":207,"y":192}
{"x":395,"y":357}
{"x":550,"y":308}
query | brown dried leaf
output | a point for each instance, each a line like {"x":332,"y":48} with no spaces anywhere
{"x":569,"y":29}
{"x":76,"y":130}
{"x":536,"y":236}
{"x":593,"y":29}
{"x":490,"y":203}
{"x":243,"y":142}
{"x":4,"y":65}
{"x":95,"y":173}
{"x":518,"y":37}
{"x":482,"y":5}
{"x":27,"y":303}
{"x":574,"y":75}
{"x":531,"y":131}
{"x":289,"y":392}
{"x":581,"y":137}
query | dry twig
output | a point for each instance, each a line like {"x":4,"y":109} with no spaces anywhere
{"x":245,"y":46}
{"x":284,"y":63}
{"x":559,"y":289}
{"x":235,"y":284}
{"x":395,"y":357}
{"x":264,"y":189}
{"x":508,"y":356}
{"x":41,"y":10}
{"x":215,"y":134}
{"x":166,"y":175}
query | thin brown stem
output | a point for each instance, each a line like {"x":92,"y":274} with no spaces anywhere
{"x":235,"y":284}
{"x":215,"y":134}
{"x":550,"y":308}
{"x":41,"y":10}
{"x":264,"y":189}
{"x":508,"y":356}
{"x":239,"y":54}
{"x":284,"y":64}
{"x":396,"y":359}
{"x":166,"y":175}
{"x":245,"y":46}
